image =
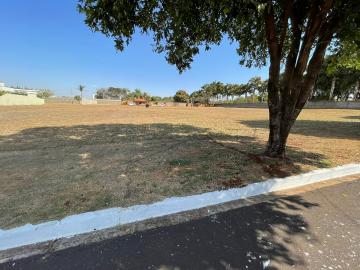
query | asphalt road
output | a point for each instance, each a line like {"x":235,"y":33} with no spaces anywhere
{"x":314,"y":230}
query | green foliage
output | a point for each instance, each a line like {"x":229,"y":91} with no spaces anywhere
{"x":2,"y":93}
{"x":127,"y":94}
{"x":257,"y":86}
{"x":77,"y":98}
{"x":180,"y":162}
{"x":146,"y":96}
{"x":138,"y":93}
{"x":181,"y":96}
{"x":346,"y":51}
{"x":18,"y":93}
{"x":346,"y":80}
{"x":294,"y":33}
{"x":180,"y":27}
{"x":217,"y":91}
{"x":167,"y":99}
{"x":81,"y":89}
{"x":155,"y":98}
{"x":112,"y":93}
{"x":46,"y":93}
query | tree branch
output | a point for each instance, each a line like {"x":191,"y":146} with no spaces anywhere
{"x":284,"y":24}
{"x":271,"y":31}
{"x":317,"y":15}
{"x":316,"y":61}
{"x":293,"y":52}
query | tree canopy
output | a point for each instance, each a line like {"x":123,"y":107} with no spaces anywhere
{"x":44,"y":93}
{"x":112,"y":93}
{"x":218,"y":91}
{"x":288,"y":34}
{"x":181,"y":96}
{"x":345,"y":78}
{"x":182,"y":27}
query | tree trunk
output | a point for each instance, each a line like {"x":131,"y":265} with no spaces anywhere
{"x":287,"y":98}
{"x":279,"y":134}
{"x":333,"y":81}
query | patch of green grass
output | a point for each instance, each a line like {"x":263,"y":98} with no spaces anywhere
{"x":180,"y":162}
{"x":325,"y":163}
{"x":101,"y":202}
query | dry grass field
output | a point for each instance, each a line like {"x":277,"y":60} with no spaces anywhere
{"x":58,"y":160}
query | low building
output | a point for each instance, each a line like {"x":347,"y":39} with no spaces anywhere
{"x":18,"y":96}
{"x":17,"y":90}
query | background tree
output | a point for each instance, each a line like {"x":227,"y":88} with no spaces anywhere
{"x":218,"y":91}
{"x":138,"y":93}
{"x":77,"y":98}
{"x":112,"y":93}
{"x":340,"y":83}
{"x":146,"y":96}
{"x":81,"y":89}
{"x":155,"y":98}
{"x":46,"y":93}
{"x":296,"y":33}
{"x":346,"y":58}
{"x":181,"y":96}
{"x":198,"y":97}
{"x":257,"y":86}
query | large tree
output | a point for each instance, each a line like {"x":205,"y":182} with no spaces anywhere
{"x":289,"y":34}
{"x":112,"y":93}
{"x":181,"y":96}
{"x":337,"y":81}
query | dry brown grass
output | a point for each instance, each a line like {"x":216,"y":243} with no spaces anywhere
{"x":58,"y":160}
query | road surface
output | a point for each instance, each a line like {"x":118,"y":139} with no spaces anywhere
{"x":319,"y":229}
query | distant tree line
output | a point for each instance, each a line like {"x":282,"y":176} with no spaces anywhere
{"x":335,"y":82}
{"x":255,"y":88}
{"x":217,"y":92}
{"x":118,"y":93}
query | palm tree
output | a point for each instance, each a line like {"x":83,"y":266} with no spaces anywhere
{"x":138,"y":93}
{"x":81,"y":89}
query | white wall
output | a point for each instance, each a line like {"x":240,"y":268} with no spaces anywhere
{"x":13,"y":99}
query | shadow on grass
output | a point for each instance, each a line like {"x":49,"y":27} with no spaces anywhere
{"x":155,"y":139}
{"x":356,"y":117}
{"x":261,"y":236}
{"x":325,"y":129}
{"x":51,"y":172}
{"x":250,"y":236}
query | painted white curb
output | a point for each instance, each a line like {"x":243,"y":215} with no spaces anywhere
{"x":103,"y":219}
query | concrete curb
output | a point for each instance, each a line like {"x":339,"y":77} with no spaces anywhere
{"x":108,"y":218}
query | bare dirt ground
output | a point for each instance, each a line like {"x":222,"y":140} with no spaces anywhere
{"x":58,"y":160}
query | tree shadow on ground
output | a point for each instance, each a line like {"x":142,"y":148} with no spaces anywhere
{"x":51,"y":172}
{"x":261,"y":236}
{"x":325,"y":129}
{"x":356,"y":117}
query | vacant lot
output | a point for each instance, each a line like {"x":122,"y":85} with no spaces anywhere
{"x":58,"y":160}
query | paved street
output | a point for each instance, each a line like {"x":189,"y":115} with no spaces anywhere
{"x":315,"y":230}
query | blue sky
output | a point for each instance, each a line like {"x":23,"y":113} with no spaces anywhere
{"x":45,"y":44}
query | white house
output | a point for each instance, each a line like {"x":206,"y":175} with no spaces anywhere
{"x":17,"y":90}
{"x":17,"y":96}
